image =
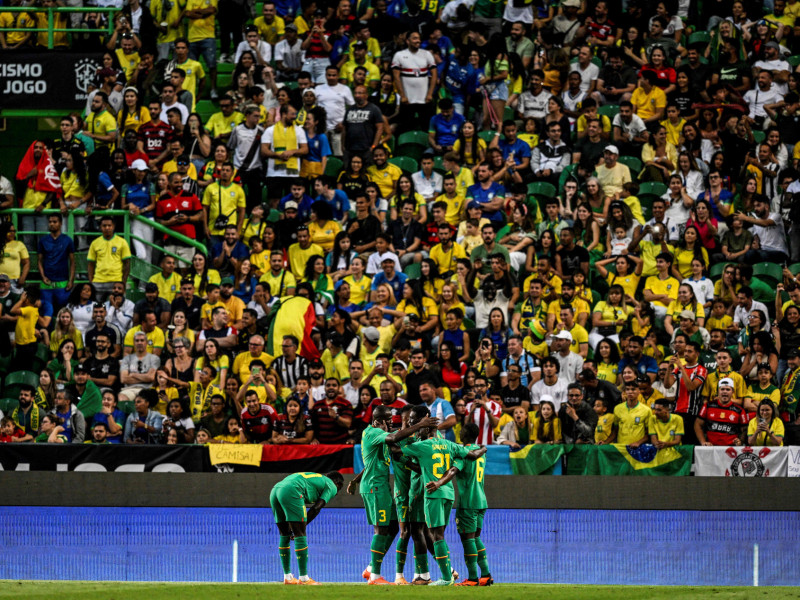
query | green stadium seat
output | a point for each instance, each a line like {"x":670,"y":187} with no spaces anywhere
{"x":541,"y":190}
{"x":609,"y":110}
{"x":646,"y":202}
{"x":413,"y":271}
{"x":224,"y":81}
{"x":126,"y":406}
{"x":633,"y":163}
{"x":274,"y":215}
{"x":334,"y":167}
{"x":562,"y":179}
{"x":794,"y":269}
{"x":700,"y":36}
{"x":406,"y":163}
{"x":16,"y":379}
{"x":486,"y":136}
{"x":759,"y":135}
{"x":7,"y":405}
{"x":412,"y":144}
{"x":509,"y":114}
{"x":653,"y":188}
{"x":41,"y":359}
{"x":438,"y":165}
{"x":771,"y":272}
{"x":794,"y":60}
{"x":225,"y":68}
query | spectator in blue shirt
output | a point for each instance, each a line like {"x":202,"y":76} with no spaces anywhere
{"x":440,"y":409}
{"x":390,"y":276}
{"x":444,"y":127}
{"x":56,"y":255}
{"x":325,"y":187}
{"x":457,"y":77}
{"x":645,"y":365}
{"x":512,"y":146}
{"x":227,"y":254}
{"x":297,"y":193}
{"x":489,"y":194}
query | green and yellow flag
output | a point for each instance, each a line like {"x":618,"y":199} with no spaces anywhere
{"x":619,"y":459}
{"x":539,"y":459}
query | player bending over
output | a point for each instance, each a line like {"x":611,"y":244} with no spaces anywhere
{"x":288,"y":500}
{"x":435,"y":457}
{"x":471,"y":508}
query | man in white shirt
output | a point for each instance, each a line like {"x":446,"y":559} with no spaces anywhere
{"x":169,"y":99}
{"x":254,"y":44}
{"x":768,"y":228}
{"x":289,"y":55}
{"x":334,"y":97}
{"x":746,"y":305}
{"x":765,"y":92}
{"x":549,"y":385}
{"x":284,"y":156}
{"x":588,"y":71}
{"x":773,"y":63}
{"x":533,"y":102}
{"x":571,"y":363}
{"x":415,"y":78}
{"x":629,"y":130}
{"x":428,"y":182}
{"x":244,"y":142}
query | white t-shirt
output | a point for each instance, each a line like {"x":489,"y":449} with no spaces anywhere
{"x":635,"y":128}
{"x":263,"y":48}
{"x":775,"y":65}
{"x":757,"y":98}
{"x":415,"y":67}
{"x":589,"y":74}
{"x":266,"y":138}
{"x":292,"y":56}
{"x":703,"y":289}
{"x":558,"y":391}
{"x":5,"y":187}
{"x":179,"y":106}
{"x":773,"y":237}
{"x":334,"y":100}
{"x":534,"y":106}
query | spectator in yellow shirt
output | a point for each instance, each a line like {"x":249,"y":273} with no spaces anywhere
{"x":648,"y":100}
{"x":109,"y":258}
{"x":270,"y":26}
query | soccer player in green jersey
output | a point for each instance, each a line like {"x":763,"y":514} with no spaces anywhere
{"x":374,"y":487}
{"x":288,"y":500}
{"x":471,"y":508}
{"x":435,"y":457}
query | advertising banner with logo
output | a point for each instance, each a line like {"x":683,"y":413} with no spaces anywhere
{"x":106,"y":457}
{"x":741,"y":461}
{"x":46,"y":81}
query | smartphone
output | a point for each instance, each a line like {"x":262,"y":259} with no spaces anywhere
{"x":256,"y":370}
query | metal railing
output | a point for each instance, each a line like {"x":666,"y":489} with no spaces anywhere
{"x":51,"y":28}
{"x":140,"y":269}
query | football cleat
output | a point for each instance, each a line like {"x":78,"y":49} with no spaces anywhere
{"x":366,"y":574}
{"x":400,"y":580}
{"x":421,"y":581}
{"x":291,"y":581}
{"x":379,"y":581}
{"x":443,"y":582}
{"x":486,"y":581}
{"x":469,"y":582}
{"x":309,"y":581}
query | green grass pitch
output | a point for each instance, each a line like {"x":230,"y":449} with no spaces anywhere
{"x":68,"y":590}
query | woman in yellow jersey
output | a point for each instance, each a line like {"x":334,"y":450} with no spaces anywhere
{"x":212,"y":356}
{"x":644,"y":317}
{"x":471,"y":149}
{"x":414,"y":303}
{"x":133,"y":114}
{"x":628,"y":270}
{"x":686,"y":301}
{"x":75,"y":186}
{"x":546,"y":424}
{"x":202,"y":275}
{"x":767,"y":429}
{"x":528,"y":133}
{"x":65,"y":330}
{"x":607,"y":361}
{"x":687,"y":249}
{"x":323,"y":228}
{"x":432,"y":284}
{"x":210,"y":172}
{"x":610,"y":316}
{"x":404,"y":188}
{"x":449,"y":300}
{"x":651,"y":346}
{"x":726,"y":288}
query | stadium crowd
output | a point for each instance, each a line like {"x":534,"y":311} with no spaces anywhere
{"x":564,"y":222}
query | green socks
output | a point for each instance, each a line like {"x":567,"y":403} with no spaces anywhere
{"x":471,"y":557}
{"x":442,"y":555}
{"x":378,"y":550}
{"x":483,"y":562}
{"x":402,"y":554}
{"x":285,"y":551}
{"x":301,"y":550}
{"x":421,"y":561}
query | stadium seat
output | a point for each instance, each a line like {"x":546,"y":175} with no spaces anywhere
{"x":542,"y":190}
{"x":794,"y":269}
{"x":562,"y":179}
{"x":633,"y":163}
{"x":486,"y":136}
{"x":700,"y":36}
{"x":225,"y":67}
{"x":224,"y":81}
{"x":609,"y":110}
{"x":41,"y":359}
{"x":413,"y":271}
{"x":16,"y":379}
{"x":508,"y":114}
{"x":7,"y":405}
{"x":759,"y":135}
{"x":404,"y":162}
{"x":438,"y":165}
{"x":646,"y":202}
{"x":769,"y":271}
{"x":716,"y":270}
{"x":126,"y":406}
{"x":206,"y":108}
{"x":412,"y":144}
{"x":653,"y":188}
{"x":794,"y":60}
{"x":334,"y":167}
{"x":274,"y":215}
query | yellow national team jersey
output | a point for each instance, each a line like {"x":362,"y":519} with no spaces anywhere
{"x":201,"y":29}
{"x":359,"y":290}
{"x":464,"y":179}
{"x":155,"y":339}
{"x":270,"y":32}
{"x":194,"y":73}
{"x":108,"y":256}
{"x":26,"y":326}
{"x":632,"y":422}
{"x":101,"y":123}
{"x":579,"y":336}
{"x":218,"y":124}
{"x":665,"y":431}
{"x":455,"y":208}
{"x":668,"y":287}
{"x":168,"y":287}
{"x":128,"y":62}
{"x":604,"y":427}
{"x":336,"y":366}
{"x":385,"y":178}
{"x":279,"y":284}
{"x":226,"y":200}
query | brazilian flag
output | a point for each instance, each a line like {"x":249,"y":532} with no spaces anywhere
{"x":619,"y":459}
{"x":539,"y":459}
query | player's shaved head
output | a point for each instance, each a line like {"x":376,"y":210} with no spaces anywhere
{"x":381,"y":414}
{"x":418,"y":413}
{"x":337,"y":478}
{"x":469,"y":433}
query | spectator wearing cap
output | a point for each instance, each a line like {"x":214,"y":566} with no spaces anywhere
{"x":288,"y":54}
{"x":167,"y":281}
{"x":233,"y":305}
{"x":252,"y":43}
{"x":85,"y":393}
{"x":571,"y":363}
{"x":139,"y":199}
{"x":612,"y":174}
{"x":687,"y":324}
{"x":721,"y":421}
{"x":153,"y":302}
{"x":359,"y":58}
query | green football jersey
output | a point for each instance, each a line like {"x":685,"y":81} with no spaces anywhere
{"x":312,"y":486}
{"x":470,"y":481}
{"x":402,"y":474}
{"x":375,"y":455}
{"x":435,"y":457}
